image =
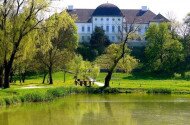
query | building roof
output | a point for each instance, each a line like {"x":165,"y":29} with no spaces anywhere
{"x":107,"y":9}
{"x":131,"y":15}
{"x":159,"y":18}
{"x":83,"y":15}
{"x":138,"y":16}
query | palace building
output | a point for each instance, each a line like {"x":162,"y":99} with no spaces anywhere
{"x":114,"y":21}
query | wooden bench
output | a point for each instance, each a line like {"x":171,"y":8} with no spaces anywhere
{"x":83,"y":82}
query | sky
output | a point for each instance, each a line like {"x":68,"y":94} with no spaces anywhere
{"x":176,"y":8}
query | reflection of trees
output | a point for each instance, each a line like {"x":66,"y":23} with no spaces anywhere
{"x":108,"y":106}
{"x":4,"y":119}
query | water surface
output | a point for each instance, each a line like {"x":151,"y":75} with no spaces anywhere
{"x":122,"y":109}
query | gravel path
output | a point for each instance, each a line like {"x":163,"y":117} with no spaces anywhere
{"x":99,"y":84}
{"x":35,"y":87}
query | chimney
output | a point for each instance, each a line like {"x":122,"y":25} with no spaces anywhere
{"x":70,"y":7}
{"x":144,"y":8}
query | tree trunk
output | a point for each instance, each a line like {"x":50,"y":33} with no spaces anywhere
{"x":11,"y":77}
{"x":50,"y":75}
{"x":64,"y":76}
{"x":8,"y":65}
{"x":107,"y":79}
{"x":110,"y":72}
{"x":23,"y":77}
{"x":6,"y":76}
{"x":44,"y":78}
{"x":1,"y":76}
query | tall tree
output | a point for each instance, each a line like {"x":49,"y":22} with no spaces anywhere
{"x":106,"y":60}
{"x":60,"y":33}
{"x":18,"y":18}
{"x":99,"y":41}
{"x":129,"y":35}
{"x":185,"y":39}
{"x":163,"y":52}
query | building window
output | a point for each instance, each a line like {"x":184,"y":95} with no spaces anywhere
{"x":88,"y":37}
{"x":102,"y":19}
{"x":82,"y":28}
{"x":113,"y":38}
{"x":102,"y":27}
{"x":95,"y":19}
{"x":82,"y":38}
{"x":146,"y":28}
{"x":88,"y":29}
{"x":107,"y":19}
{"x":107,"y":28}
{"x":119,"y":28}
{"x":119,"y":19}
{"x":113,"y":19}
{"x":139,"y":30}
{"x":113,"y":28}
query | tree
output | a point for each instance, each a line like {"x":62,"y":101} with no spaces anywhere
{"x":106,"y":60}
{"x":185,"y":40}
{"x":163,"y":53}
{"x":83,"y":69}
{"x":18,"y":18}
{"x":99,"y":41}
{"x":60,"y":33}
{"x":129,"y":35}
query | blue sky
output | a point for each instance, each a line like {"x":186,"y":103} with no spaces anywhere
{"x":178,"y":8}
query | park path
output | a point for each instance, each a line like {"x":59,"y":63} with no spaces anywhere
{"x":97,"y":83}
{"x":35,"y":87}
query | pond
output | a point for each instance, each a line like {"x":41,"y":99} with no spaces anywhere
{"x":122,"y":109}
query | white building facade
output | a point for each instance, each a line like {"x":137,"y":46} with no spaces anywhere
{"x":114,"y":21}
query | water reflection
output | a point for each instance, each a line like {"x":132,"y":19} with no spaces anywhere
{"x":102,"y":110}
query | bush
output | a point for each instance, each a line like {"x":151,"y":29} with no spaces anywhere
{"x":177,"y":76}
{"x":57,"y":92}
{"x":33,"y":97}
{"x":11,"y":100}
{"x":159,"y":91}
{"x":187,"y":75}
{"x":2,"y":102}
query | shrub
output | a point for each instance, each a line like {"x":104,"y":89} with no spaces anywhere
{"x":2,"y":102}
{"x":159,"y":91}
{"x":57,"y":92}
{"x":11,"y":100}
{"x":33,"y":97}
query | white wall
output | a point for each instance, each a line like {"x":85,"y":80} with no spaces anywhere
{"x":103,"y":21}
{"x":84,"y":32}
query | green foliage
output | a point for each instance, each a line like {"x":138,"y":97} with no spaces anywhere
{"x":99,"y":41}
{"x":83,"y":69}
{"x":127,"y":63}
{"x":58,"y":92}
{"x":87,"y":52}
{"x":59,"y":32}
{"x":159,"y":91}
{"x":163,"y":53}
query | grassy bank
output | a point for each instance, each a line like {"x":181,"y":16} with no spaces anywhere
{"x":120,"y":83}
{"x":18,"y":96}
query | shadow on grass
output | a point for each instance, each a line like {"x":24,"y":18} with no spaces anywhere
{"x":147,"y":76}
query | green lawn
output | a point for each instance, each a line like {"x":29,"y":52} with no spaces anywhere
{"x":120,"y":83}
{"x":119,"y":80}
